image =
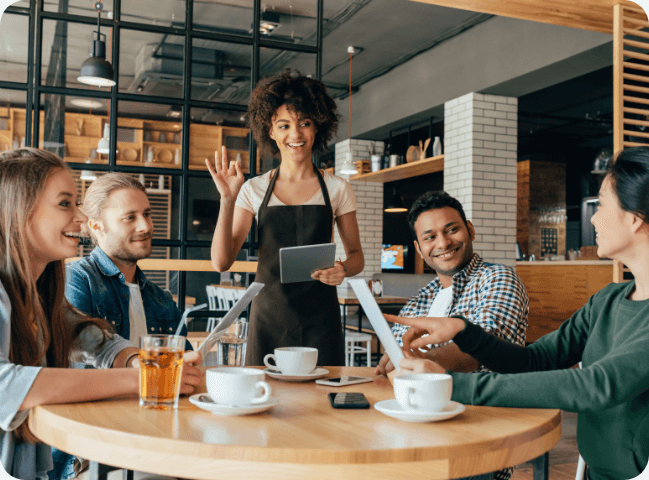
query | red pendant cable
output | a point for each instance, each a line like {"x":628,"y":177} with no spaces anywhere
{"x":349,"y":120}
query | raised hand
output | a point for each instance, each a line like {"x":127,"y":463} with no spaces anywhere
{"x":228,"y":178}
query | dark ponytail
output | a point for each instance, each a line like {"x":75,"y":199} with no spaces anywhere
{"x":629,"y":175}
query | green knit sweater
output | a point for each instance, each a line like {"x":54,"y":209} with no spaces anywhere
{"x":610,"y":336}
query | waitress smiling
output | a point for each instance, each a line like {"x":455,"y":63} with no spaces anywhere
{"x":296,"y":204}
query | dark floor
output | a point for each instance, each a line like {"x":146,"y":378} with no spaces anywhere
{"x":563,"y":457}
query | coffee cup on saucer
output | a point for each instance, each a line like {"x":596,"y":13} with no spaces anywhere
{"x":293,"y":360}
{"x":237,"y":386}
{"x":423,"y":392}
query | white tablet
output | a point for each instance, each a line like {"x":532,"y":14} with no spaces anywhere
{"x":377,"y":320}
{"x":296,"y":264}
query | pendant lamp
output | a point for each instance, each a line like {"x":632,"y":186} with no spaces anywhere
{"x":96,"y":70}
{"x":348,"y":167}
{"x":395,"y":205}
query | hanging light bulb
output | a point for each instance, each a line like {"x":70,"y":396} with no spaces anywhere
{"x":104,"y":143}
{"x":96,"y":70}
{"x":348,"y":167}
{"x":396,"y":204}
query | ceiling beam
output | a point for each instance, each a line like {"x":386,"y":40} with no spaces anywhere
{"x":595,"y":15}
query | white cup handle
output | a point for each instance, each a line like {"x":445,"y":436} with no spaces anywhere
{"x":267,"y":363}
{"x":267,"y":393}
{"x":411,"y":397}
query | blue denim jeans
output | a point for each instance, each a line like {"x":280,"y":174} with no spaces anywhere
{"x":63,"y":466}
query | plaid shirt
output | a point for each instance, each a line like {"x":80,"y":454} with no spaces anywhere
{"x":487,"y":294}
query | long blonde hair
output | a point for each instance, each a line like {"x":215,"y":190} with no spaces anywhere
{"x":40,"y":315}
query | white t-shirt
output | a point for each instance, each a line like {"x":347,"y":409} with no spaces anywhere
{"x":442,"y":303}
{"x":136,"y":315}
{"x":340,"y":191}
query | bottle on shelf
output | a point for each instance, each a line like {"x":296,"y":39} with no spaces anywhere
{"x":437,"y":147}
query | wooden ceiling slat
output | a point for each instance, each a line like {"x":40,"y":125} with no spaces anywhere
{"x":636,"y":110}
{"x":636,"y":122}
{"x":636,"y":66}
{"x":637,"y":33}
{"x":638,"y":22}
{"x":634,"y":43}
{"x":637,"y":78}
{"x":633,"y":88}
{"x":634,"y":144}
{"x":595,"y":15}
{"x":636,"y":134}
{"x":639,"y":56}
{"x":636,"y":100}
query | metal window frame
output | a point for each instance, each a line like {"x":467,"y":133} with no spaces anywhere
{"x":35,"y":89}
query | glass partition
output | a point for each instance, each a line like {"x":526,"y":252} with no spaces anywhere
{"x":221,"y":72}
{"x":14,"y":43}
{"x":12,"y":119}
{"x":151,"y":64}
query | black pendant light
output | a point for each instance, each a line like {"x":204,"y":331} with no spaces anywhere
{"x":97,"y":70}
{"x":395,"y":205}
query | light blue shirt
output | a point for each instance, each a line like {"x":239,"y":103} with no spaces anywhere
{"x":27,"y":461}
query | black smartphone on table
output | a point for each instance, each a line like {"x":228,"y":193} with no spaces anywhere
{"x":348,"y":400}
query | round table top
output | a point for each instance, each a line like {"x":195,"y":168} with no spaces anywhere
{"x":301,"y":437}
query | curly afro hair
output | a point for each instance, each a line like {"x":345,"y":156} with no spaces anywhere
{"x":306,"y":96}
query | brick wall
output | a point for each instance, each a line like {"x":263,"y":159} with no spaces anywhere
{"x":369,"y":198}
{"x":480,"y":143}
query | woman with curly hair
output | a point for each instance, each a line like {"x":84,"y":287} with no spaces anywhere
{"x":295,"y":204}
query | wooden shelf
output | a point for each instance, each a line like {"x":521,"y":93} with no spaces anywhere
{"x":400,"y":172}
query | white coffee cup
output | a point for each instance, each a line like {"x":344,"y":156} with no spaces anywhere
{"x":293,"y":360}
{"x":423,"y":392}
{"x":237,"y":386}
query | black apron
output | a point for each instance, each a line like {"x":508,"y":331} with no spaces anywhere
{"x":304,"y":314}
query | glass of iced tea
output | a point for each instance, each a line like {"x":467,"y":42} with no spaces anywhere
{"x":161,"y":362}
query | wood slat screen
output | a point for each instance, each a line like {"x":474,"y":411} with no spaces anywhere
{"x":630,"y":88}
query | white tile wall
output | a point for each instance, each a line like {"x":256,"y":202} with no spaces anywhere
{"x":480,"y":144}
{"x":369,"y":199}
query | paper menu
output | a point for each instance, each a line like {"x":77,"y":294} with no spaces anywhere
{"x":377,"y":320}
{"x":230,"y":317}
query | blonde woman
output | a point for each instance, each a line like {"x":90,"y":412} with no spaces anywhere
{"x":40,"y":223}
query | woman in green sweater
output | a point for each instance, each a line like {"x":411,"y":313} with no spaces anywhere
{"x":609,"y":335}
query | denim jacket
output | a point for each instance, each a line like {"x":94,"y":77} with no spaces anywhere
{"x":95,"y":286}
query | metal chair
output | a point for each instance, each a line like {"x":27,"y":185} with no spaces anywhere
{"x":351,"y":347}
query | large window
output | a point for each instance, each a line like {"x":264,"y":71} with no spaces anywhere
{"x":184,"y":71}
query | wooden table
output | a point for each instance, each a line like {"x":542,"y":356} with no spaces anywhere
{"x":302,"y":437}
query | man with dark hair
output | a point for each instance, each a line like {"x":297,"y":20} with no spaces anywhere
{"x":489,"y":295}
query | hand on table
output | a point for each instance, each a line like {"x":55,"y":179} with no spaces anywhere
{"x":330,"y":276}
{"x":192,"y":375}
{"x":228,"y":178}
{"x":419,"y":365}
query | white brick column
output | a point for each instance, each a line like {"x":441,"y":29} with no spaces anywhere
{"x":369,"y":198}
{"x":480,"y":142}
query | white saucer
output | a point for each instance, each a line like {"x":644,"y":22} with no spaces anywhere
{"x":392,"y":408}
{"x":315,"y":374}
{"x":206,"y":403}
